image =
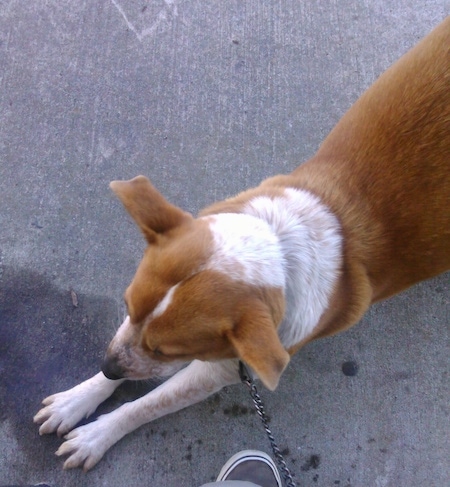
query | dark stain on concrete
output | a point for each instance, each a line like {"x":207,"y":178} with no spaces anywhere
{"x":313,"y":462}
{"x":350,"y":368}
{"x":46,"y":345}
{"x":237,"y":410}
{"x":214,"y":402}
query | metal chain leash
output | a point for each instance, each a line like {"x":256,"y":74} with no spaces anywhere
{"x":247,"y":379}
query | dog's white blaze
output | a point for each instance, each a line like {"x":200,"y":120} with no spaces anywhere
{"x":310,"y":239}
{"x":122,"y":334}
{"x":246,"y":249}
{"x":164,"y":303}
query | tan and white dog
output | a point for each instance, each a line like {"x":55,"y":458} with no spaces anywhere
{"x":301,"y":256}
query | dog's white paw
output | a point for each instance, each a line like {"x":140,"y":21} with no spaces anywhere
{"x":64,"y":410}
{"x":87,"y":444}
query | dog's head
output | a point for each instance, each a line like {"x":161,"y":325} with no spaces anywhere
{"x":209,"y":288}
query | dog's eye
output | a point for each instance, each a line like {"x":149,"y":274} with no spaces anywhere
{"x":157,"y":352}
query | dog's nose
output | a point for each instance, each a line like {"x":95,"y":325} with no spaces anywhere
{"x":112,"y":369}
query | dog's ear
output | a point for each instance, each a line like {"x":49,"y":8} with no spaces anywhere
{"x":256,"y":341}
{"x":148,"y":207}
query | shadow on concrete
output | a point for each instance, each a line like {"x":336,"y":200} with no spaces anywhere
{"x":41,"y":327}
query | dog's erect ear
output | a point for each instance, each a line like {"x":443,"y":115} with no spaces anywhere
{"x":256,"y":341}
{"x":148,"y":207}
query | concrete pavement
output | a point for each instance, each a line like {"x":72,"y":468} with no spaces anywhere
{"x":205,"y":98}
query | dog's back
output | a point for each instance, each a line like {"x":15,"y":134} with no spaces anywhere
{"x":390,"y":157}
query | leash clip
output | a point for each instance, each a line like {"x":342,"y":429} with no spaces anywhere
{"x":244,"y":373}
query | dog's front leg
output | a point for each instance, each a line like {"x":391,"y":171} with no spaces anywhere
{"x":64,"y":410}
{"x":87,"y":444}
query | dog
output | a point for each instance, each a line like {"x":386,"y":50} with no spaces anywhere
{"x":302,"y":256}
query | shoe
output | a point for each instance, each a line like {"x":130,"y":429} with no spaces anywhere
{"x":251,"y":466}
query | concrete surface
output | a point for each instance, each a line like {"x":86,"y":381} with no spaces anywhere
{"x":206,"y":98}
